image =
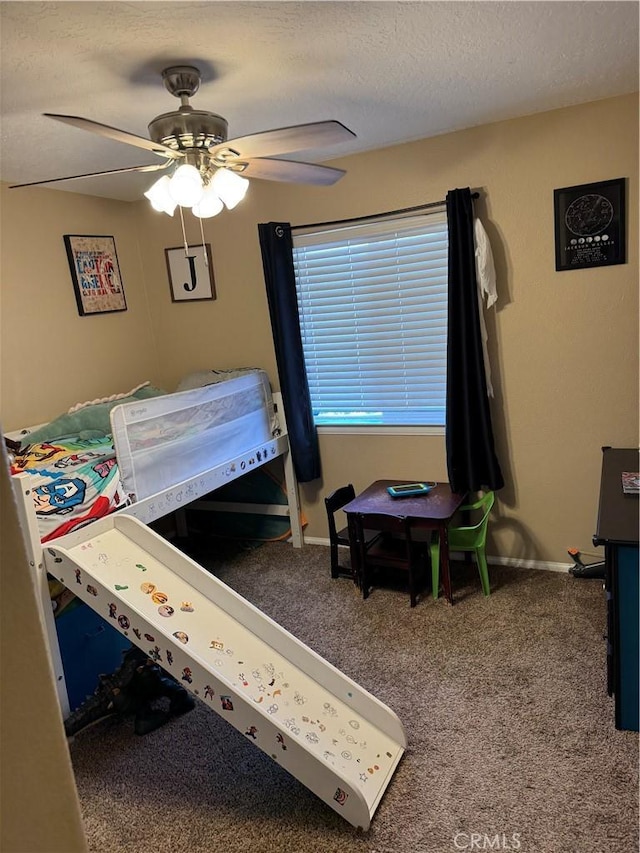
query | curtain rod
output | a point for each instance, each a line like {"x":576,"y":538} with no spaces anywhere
{"x":375,"y":215}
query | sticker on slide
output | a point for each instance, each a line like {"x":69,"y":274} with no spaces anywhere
{"x":340,"y":796}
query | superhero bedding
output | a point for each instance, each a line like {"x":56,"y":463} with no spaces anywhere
{"x":75,"y":480}
{"x":106,"y":454}
{"x":72,"y":462}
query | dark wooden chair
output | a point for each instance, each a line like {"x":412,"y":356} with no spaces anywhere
{"x":340,"y":538}
{"x":394,"y":551}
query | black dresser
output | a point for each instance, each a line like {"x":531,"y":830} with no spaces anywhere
{"x":617,"y":530}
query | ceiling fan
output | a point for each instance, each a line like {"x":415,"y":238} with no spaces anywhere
{"x":195,"y":143}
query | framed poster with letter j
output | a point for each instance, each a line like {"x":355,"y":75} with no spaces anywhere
{"x":190,"y":273}
{"x":590,"y":225}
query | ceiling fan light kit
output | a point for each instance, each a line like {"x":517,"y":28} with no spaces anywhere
{"x":209,"y":205}
{"x":230,"y":186}
{"x":205,"y":196}
{"x":160,"y":197}
{"x":185,"y":186}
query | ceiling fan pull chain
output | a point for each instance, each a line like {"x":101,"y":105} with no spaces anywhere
{"x":184,"y":235}
{"x":204,"y":251}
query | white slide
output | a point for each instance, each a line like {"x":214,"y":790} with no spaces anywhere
{"x":332,"y":735}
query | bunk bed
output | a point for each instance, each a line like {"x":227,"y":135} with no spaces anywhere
{"x":148,"y":454}
{"x":170,"y":451}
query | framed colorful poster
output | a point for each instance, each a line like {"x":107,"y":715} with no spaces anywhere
{"x":190,"y":273}
{"x":590,"y":225}
{"x":95,"y":273}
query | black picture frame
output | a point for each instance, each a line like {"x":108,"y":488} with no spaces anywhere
{"x":95,"y":273}
{"x":590,"y":225}
{"x":191,"y":276}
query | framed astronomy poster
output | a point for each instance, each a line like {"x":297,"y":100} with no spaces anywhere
{"x":590,"y":225}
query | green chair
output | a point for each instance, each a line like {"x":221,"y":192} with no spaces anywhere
{"x":466,"y":539}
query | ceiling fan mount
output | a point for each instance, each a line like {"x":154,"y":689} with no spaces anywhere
{"x":185,"y":129}
{"x":182,"y":80}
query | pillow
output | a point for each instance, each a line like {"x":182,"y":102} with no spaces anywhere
{"x":211,"y":377}
{"x":91,"y":421}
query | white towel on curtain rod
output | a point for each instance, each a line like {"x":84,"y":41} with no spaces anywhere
{"x":486,"y":279}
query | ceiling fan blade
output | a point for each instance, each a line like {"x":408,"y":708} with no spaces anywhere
{"x":117,"y":135}
{"x":154,"y":167}
{"x":285,"y":140}
{"x":292,"y":172}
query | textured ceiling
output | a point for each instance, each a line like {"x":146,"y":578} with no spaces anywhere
{"x":391,"y":71}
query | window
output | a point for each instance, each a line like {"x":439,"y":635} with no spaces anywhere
{"x":372,"y":299}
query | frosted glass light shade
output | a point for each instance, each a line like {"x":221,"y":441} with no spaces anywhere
{"x":185,"y":187}
{"x":230,"y":187}
{"x":210,"y":204}
{"x":158,"y":195}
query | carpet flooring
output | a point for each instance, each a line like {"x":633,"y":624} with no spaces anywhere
{"x":511,"y":738}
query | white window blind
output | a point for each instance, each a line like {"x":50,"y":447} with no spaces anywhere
{"x":372,"y":300}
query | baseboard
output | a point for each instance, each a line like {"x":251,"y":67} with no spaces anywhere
{"x":512,"y":562}
{"x":518,"y":563}
{"x":315,"y":540}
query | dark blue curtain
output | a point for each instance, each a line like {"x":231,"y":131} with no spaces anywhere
{"x":277,"y":261}
{"x":471,"y":459}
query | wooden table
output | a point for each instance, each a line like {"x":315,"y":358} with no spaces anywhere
{"x":432,"y":511}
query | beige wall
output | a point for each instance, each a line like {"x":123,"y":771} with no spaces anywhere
{"x":564,"y":346}
{"x":51,"y":357}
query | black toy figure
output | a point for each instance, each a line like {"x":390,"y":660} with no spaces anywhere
{"x":133,"y":690}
